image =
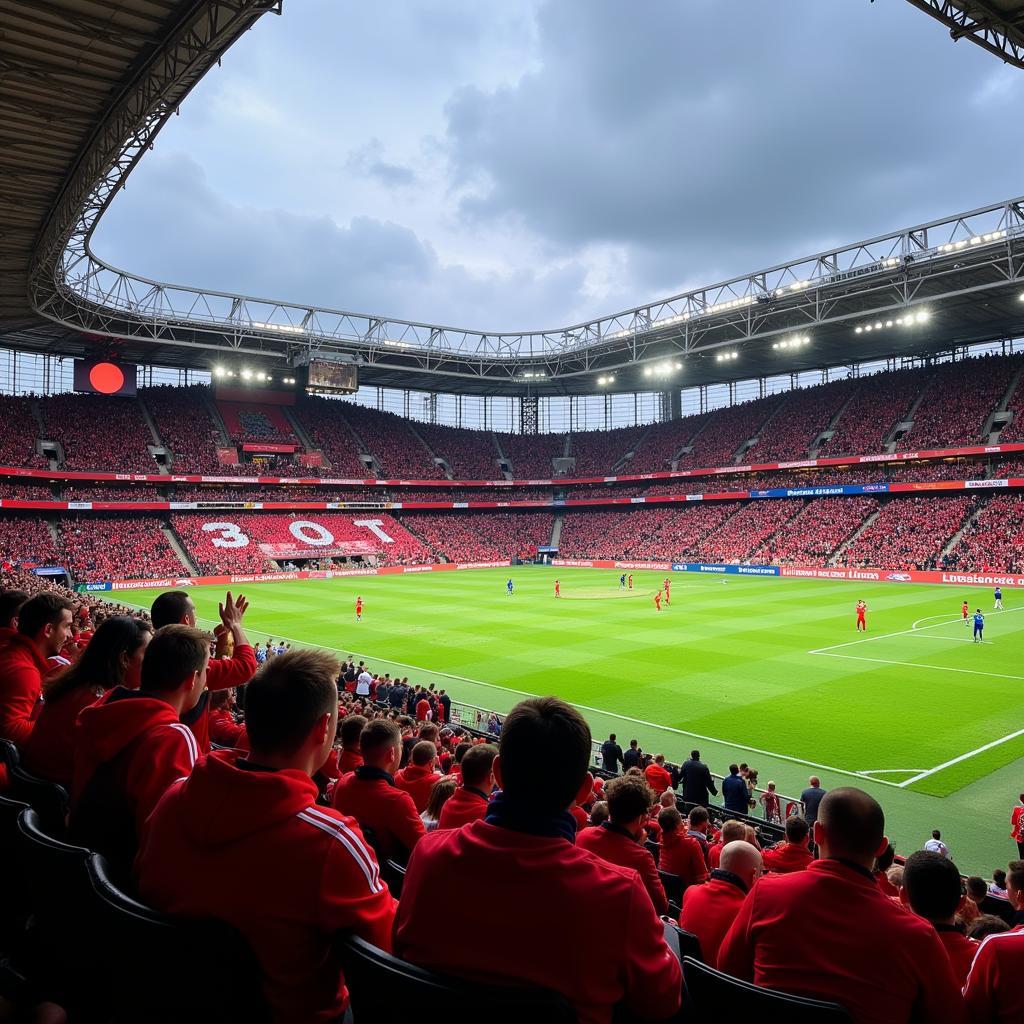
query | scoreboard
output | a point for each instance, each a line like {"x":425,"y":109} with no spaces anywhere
{"x":331,"y":377}
{"x":104,"y":377}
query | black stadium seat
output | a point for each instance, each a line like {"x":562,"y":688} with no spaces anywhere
{"x":386,"y":990}
{"x":673,"y":887}
{"x":708,"y":991}
{"x":48,"y":799}
{"x":14,"y":904}
{"x":8,"y":754}
{"x":393,"y":874}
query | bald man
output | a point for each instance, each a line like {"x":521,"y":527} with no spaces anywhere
{"x":829,"y":933}
{"x":710,"y":909}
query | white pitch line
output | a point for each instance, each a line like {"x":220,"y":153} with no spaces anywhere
{"x":582,"y":707}
{"x":951,"y":639}
{"x":957,"y":760}
{"x":890,"y":771}
{"x":914,"y":664}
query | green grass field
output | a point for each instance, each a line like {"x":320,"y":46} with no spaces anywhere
{"x":764,"y":670}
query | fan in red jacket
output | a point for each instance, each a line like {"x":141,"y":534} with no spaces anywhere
{"x":44,"y":625}
{"x":657,"y":775}
{"x":793,"y":854}
{"x":113,"y":658}
{"x":224,"y":729}
{"x":732,"y":831}
{"x":994,"y":992}
{"x":299,"y":873}
{"x":618,"y":840}
{"x":369,"y":794}
{"x":709,"y":910}
{"x":130,"y":746}
{"x":1017,"y":826}
{"x":469,"y":802}
{"x":828,"y":933}
{"x":680,"y":854}
{"x":556,"y":896}
{"x":175,"y":606}
{"x":349,"y":732}
{"x":931,"y":888}
{"x":418,"y":777}
{"x":10,"y":604}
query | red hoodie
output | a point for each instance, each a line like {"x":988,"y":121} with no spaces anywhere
{"x":50,"y":749}
{"x":22,"y":669}
{"x":417,"y":781}
{"x":223,"y":729}
{"x":371,"y":797}
{"x":232,"y":819}
{"x":129,"y":748}
{"x":787,"y":857}
{"x":466,"y":804}
{"x":615,"y":845}
{"x":221,"y":674}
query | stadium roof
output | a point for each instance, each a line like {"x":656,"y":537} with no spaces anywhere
{"x":86,"y":84}
{"x":994,"y":25}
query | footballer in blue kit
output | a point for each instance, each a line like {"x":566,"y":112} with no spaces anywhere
{"x":979,"y":626}
{"x":999,"y":598}
{"x":509,"y":588}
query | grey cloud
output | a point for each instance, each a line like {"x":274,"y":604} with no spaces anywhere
{"x":369,"y":160}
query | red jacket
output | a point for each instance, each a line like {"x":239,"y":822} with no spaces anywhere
{"x":129,"y":748}
{"x":22,"y":671}
{"x":223,"y":729}
{"x":50,"y":749}
{"x":6,"y":634}
{"x":787,"y":857}
{"x":995,"y":985}
{"x":615,"y":845}
{"x":370,"y":796}
{"x":299,"y":874}
{"x":681,"y":855}
{"x":221,"y":674}
{"x":657,"y":778}
{"x":417,"y":781}
{"x":709,"y":910}
{"x":422,"y":710}
{"x":960,"y":949}
{"x":828,"y":933}
{"x":349,"y":761}
{"x":1017,"y":823}
{"x":466,"y":804}
{"x":554,"y":897}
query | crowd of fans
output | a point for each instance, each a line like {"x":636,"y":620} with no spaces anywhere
{"x":994,"y":542}
{"x":249,"y":423}
{"x":98,"y":432}
{"x":909,"y":533}
{"x":813,"y":536}
{"x":470,"y":453}
{"x":957,"y":402}
{"x":878,"y":404}
{"x":18,"y":437}
{"x":26,"y":492}
{"x":398,"y":451}
{"x":597,"y":451}
{"x":106,"y":548}
{"x":720,"y":441}
{"x":741,"y":534}
{"x":531,"y":455}
{"x":805,"y":415}
{"x":185,"y":427}
{"x":27,"y":539}
{"x":295,"y":798}
{"x":99,"y":492}
{"x":482,"y":536}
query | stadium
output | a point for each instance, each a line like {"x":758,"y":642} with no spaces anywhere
{"x":775,"y":521}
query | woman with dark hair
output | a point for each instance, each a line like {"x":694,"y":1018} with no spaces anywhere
{"x":112,"y":658}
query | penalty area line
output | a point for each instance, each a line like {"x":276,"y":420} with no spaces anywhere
{"x":960,"y":759}
{"x":914,"y":664}
{"x":582,"y":707}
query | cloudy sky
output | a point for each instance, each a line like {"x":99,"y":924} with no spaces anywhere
{"x":524,"y":164}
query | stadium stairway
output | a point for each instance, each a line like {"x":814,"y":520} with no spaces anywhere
{"x":1001,"y":416}
{"x":179,"y":549}
{"x":556,"y":531}
{"x":829,"y":432}
{"x":906,"y":422}
{"x":218,"y":421}
{"x":751,"y":442}
{"x":627,"y":456}
{"x":297,"y":429}
{"x":837,"y":555}
{"x":969,"y":521}
{"x":443,"y":463}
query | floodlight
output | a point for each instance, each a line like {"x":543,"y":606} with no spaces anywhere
{"x":859,"y":330}
{"x":218,"y":371}
{"x":247,"y":375}
{"x":921,"y":316}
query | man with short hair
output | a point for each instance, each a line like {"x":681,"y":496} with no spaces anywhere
{"x":698,"y":823}
{"x":680,"y":854}
{"x":131,"y":745}
{"x":811,"y":798}
{"x":631,"y":758}
{"x":977,"y":893}
{"x":829,"y":933}
{"x":619,"y":840}
{"x":351,"y":730}
{"x":936,"y":845}
{"x":44,"y":625}
{"x":177,"y":607}
{"x":735,"y":794}
{"x":299,"y":873}
{"x":710,"y":909}
{"x":931,"y":888}
{"x":793,"y":854}
{"x":698,"y":785}
{"x":657,"y":775}
{"x":611,"y":755}
{"x":731,"y":832}
{"x":563,"y":900}
{"x":469,"y":802}
{"x":369,"y":794}
{"x":418,"y":777}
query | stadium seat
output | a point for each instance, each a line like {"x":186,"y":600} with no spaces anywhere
{"x":14,"y":903}
{"x":386,"y":990}
{"x":654,"y":849}
{"x":9,"y":757}
{"x":708,"y":990}
{"x":393,"y":874}
{"x":225,"y":986}
{"x":48,"y":799}
{"x":673,"y":887}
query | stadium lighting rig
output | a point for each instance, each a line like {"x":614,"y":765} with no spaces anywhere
{"x":796,"y":341}
{"x":725,"y":357}
{"x":248,"y":375}
{"x":963,"y":243}
{"x":605,"y":380}
{"x":665,"y":369}
{"x":908,"y":320}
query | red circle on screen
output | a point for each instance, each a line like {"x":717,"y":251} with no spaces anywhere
{"x":107,"y":378}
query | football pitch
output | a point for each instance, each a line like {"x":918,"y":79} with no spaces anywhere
{"x":764,"y":670}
